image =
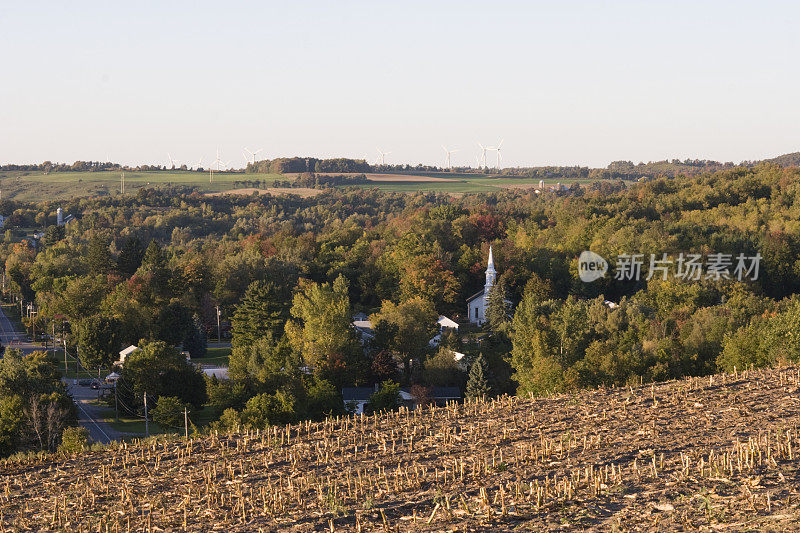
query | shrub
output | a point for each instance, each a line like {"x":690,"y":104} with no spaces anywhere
{"x":169,"y":412}
{"x":74,"y":439}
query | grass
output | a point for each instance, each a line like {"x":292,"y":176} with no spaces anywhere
{"x":464,"y":183}
{"x":215,"y":356}
{"x":21,"y":185}
{"x":135,"y":426}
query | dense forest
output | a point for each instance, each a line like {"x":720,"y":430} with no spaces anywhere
{"x":289,"y":273}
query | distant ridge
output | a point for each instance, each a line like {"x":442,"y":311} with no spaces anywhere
{"x":785,"y":160}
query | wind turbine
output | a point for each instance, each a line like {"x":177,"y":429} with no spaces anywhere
{"x":200,"y":163}
{"x":252,"y":155}
{"x":497,"y":149}
{"x":383,"y":156}
{"x":171,"y":161}
{"x":217,"y":162}
{"x":447,"y":158}
{"x":482,"y":157}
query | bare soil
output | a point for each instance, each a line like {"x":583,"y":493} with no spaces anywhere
{"x":300,"y":191}
{"x":699,"y":454}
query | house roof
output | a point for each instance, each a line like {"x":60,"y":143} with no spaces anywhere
{"x":475,"y":296}
{"x":446,"y":393}
{"x":357,"y":394}
{"x":437,"y":393}
{"x":129,"y":350}
{"x":447,"y":323}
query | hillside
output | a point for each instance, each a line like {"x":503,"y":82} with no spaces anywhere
{"x":689,"y":454}
{"x":786,"y":160}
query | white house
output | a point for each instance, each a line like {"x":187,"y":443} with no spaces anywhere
{"x":477,"y":303}
{"x":125,"y":353}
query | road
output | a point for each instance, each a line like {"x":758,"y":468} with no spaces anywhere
{"x":89,"y":416}
{"x":13,"y":338}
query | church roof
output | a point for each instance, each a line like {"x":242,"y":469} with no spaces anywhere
{"x":475,"y":296}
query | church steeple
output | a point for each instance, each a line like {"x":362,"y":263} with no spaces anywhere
{"x":491,"y":273}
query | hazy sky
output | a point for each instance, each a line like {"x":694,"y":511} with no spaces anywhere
{"x":562,"y":82}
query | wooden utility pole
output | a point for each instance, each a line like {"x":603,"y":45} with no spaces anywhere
{"x":186,"y":421}
{"x":219,"y":331}
{"x":146,"y":421}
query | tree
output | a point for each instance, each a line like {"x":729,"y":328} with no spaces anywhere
{"x":411,"y":325}
{"x":196,"y":341}
{"x":131,"y":255}
{"x":169,"y":412}
{"x":99,"y":340}
{"x":264,"y":309}
{"x":81,"y":297}
{"x":442,"y":370}
{"x":264,"y":365}
{"x":53,"y":234}
{"x":323,"y":400}
{"x":173,"y":323}
{"x":497,"y":316}
{"x":532,"y":347}
{"x":478,"y":384}
{"x":320,"y":330}
{"x":383,"y":366}
{"x":160,"y":370}
{"x":265,"y":409}
{"x":98,"y":255}
{"x":387,"y":398}
{"x":154,"y":268}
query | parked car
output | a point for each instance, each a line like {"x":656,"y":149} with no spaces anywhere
{"x":95,"y":384}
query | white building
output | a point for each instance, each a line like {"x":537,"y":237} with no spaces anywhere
{"x":125,"y":353}
{"x":477,"y":303}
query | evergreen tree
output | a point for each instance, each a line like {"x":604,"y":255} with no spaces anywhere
{"x":131,"y":255}
{"x":478,"y":384}
{"x":497,"y":308}
{"x":98,"y":255}
{"x":196,"y":341}
{"x":154,"y":266}
{"x":264,"y":309}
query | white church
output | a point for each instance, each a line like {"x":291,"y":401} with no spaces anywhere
{"x":478,"y":302}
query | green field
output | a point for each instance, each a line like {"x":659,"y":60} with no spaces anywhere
{"x":21,"y":185}
{"x":462,"y":183}
{"x":31,"y":186}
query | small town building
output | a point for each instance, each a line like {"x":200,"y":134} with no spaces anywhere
{"x":478,"y":302}
{"x":123,"y":354}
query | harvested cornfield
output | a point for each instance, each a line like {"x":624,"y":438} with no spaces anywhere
{"x":695,"y":454}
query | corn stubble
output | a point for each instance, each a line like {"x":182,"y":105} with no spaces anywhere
{"x":689,"y":454}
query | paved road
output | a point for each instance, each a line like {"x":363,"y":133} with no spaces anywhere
{"x":13,"y":338}
{"x":90,"y":416}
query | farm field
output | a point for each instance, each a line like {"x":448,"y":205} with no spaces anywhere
{"x":20,"y":185}
{"x":62,"y":185}
{"x":718,"y":452}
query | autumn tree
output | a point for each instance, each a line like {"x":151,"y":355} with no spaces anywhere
{"x":320,"y":329}
{"x":411,"y":325}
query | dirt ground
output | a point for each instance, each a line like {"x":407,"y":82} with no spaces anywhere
{"x":701,"y":454}
{"x":300,"y":191}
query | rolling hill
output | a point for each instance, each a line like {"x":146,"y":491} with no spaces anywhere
{"x":700,"y":453}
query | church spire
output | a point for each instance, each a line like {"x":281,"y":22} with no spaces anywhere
{"x":491,"y":273}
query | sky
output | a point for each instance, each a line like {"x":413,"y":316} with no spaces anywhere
{"x":561,"y":82}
